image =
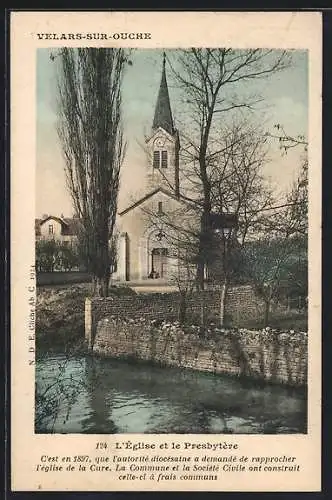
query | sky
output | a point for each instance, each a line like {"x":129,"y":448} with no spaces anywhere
{"x":285,"y":101}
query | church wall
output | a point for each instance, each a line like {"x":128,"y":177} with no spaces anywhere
{"x":139,"y":224}
{"x":134,"y":226}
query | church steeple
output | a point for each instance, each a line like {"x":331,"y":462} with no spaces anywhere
{"x":163,"y":145}
{"x":163,"y":113}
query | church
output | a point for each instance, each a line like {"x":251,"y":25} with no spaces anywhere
{"x":145,"y":246}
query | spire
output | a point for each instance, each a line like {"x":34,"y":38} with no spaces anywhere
{"x":163,"y":114}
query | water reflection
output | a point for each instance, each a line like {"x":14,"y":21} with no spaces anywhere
{"x":118,"y":397}
{"x":99,"y":419}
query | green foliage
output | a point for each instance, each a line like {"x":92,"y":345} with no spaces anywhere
{"x":52,"y":255}
{"x":295,"y":283}
{"x":46,"y":252}
{"x":69,"y":258}
{"x":277,"y":268}
{"x":276,"y":264}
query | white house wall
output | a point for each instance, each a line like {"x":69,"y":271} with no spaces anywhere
{"x":57,"y":228}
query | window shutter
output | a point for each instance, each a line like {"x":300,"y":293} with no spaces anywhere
{"x":156,"y":159}
{"x":164,"y":159}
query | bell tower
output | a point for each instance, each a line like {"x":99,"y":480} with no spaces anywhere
{"x":163,"y":145}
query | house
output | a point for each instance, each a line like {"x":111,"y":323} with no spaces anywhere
{"x":62,"y":229}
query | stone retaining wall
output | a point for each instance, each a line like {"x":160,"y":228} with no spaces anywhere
{"x":145,"y":327}
{"x":266,"y":355}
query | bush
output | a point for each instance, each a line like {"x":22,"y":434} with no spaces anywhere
{"x":53,"y":256}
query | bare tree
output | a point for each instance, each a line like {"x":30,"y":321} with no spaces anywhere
{"x":286,"y":141}
{"x":183,"y":276}
{"x":90,"y":131}
{"x":296,"y":213}
{"x":266,"y":263}
{"x":298,"y":202}
{"x":278,"y":258}
{"x":290,"y":218}
{"x":55,"y":398}
{"x":212,"y":81}
{"x":238,"y":185}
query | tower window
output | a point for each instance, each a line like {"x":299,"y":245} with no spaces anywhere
{"x":160,"y":159}
{"x":156,"y":159}
{"x":164,"y":159}
{"x":160,"y":207}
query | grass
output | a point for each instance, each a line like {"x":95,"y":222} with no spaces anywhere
{"x":62,"y":278}
{"x":292,"y":320}
{"x":60,"y":314}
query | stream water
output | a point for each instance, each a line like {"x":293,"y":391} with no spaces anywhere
{"x":83,"y":394}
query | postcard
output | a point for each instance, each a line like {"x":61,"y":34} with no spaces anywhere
{"x":165,"y":251}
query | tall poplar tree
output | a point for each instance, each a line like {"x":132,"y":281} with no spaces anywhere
{"x":91,"y":135}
